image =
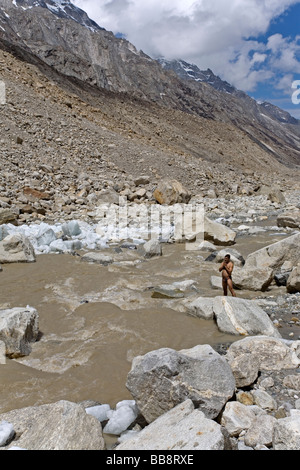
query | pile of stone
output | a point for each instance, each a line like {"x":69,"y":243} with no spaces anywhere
{"x":195,"y":399}
{"x":263,"y":265}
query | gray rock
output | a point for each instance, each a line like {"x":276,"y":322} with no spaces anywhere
{"x":58,"y":426}
{"x":207,"y":246}
{"x":16,"y":249}
{"x":242,"y":317}
{"x":274,"y":194}
{"x":162,"y":379}
{"x":150,"y":249}
{"x":264,"y":400}
{"x":109,"y":196}
{"x":163,"y":293}
{"x":289,"y":219}
{"x":235,"y":256}
{"x":182,"y":428}
{"x":271,"y":353}
{"x":143,"y":179}
{"x":242,"y":446}
{"x":202,"y":307}
{"x":6,"y":216}
{"x":237,"y":417}
{"x":217,"y":233}
{"x":245,"y":369}
{"x":293,"y":282}
{"x":18,"y":328}
{"x":273,"y":256}
{"x":253,"y":279}
{"x":282,"y":278}
{"x":286,"y":434}
{"x":292,"y":382}
{"x":96,"y":257}
{"x":170,"y":191}
{"x":260,"y":431}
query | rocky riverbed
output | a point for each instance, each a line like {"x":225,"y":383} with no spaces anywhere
{"x":252,"y":348}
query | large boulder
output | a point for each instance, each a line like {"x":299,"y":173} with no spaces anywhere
{"x":274,"y":193}
{"x":286,"y":435}
{"x":33,"y":194}
{"x":242,"y":317}
{"x":254,"y":279}
{"x":293,"y":282}
{"x":150,"y":249}
{"x":269,"y":353}
{"x":273,"y":256}
{"x":16,"y":248}
{"x":217,"y":233}
{"x":6,"y":216}
{"x":182,"y":428}
{"x":237,"y":417}
{"x":289,"y":219}
{"x":58,"y":426}
{"x":245,"y":368}
{"x":261,"y":431}
{"x":18,"y":328}
{"x":170,"y":191}
{"x":262,"y":265}
{"x":235,"y":256}
{"x":162,"y":379}
{"x":201,"y":307}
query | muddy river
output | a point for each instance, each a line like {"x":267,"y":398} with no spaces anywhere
{"x":95,"y":319}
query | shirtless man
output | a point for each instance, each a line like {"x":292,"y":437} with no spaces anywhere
{"x":226,"y":268}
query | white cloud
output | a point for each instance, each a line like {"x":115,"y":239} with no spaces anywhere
{"x":285,"y":53}
{"x":208,"y":33}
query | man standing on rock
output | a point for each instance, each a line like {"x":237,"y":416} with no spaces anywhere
{"x":226,"y":268}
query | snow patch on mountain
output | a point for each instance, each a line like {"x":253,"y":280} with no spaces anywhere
{"x":187,"y":71}
{"x":61,"y":8}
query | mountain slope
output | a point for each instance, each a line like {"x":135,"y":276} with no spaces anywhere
{"x":188,"y":71}
{"x":97,"y":61}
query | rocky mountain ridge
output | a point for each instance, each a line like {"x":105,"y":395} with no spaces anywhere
{"x":61,"y":8}
{"x":188,"y":71}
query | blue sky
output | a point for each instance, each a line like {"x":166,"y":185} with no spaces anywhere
{"x":288,"y":26}
{"x":252,"y":44}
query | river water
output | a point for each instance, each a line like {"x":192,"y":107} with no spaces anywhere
{"x":95,"y":319}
